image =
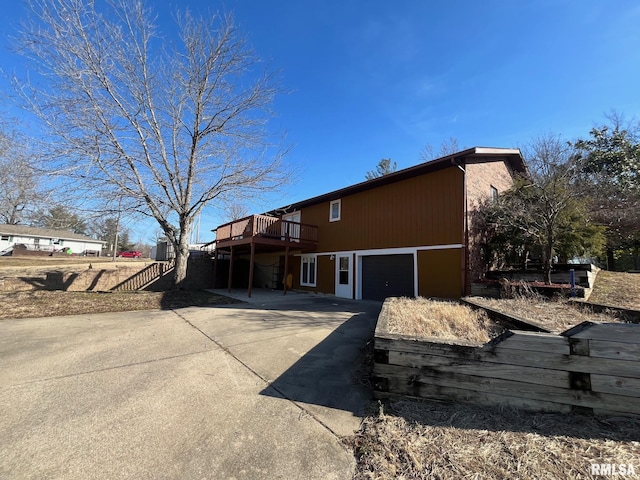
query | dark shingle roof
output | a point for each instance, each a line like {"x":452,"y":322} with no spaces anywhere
{"x":44,"y":233}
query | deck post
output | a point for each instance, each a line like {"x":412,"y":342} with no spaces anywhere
{"x":253,"y":253}
{"x":286,"y":270}
{"x":215,"y":267}
{"x":230,"y":267}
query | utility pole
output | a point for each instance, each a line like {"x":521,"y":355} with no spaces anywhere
{"x":115,"y":240}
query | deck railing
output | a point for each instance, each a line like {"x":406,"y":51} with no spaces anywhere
{"x":267,"y":227}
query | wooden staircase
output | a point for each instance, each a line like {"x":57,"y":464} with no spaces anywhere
{"x":145,"y":277}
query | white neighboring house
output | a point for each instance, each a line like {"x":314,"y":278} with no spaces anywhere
{"x":47,"y":240}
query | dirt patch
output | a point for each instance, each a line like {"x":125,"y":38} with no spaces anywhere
{"x":422,"y":317}
{"x":557,"y":315}
{"x":41,"y":303}
{"x":421,"y":440}
{"x":617,"y":289}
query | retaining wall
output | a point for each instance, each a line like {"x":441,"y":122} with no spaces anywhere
{"x":199,"y":276}
{"x":589,"y":368}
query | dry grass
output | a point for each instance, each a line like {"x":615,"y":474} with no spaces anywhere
{"x":556,"y":315}
{"x":425,"y":440}
{"x":422,"y":317}
{"x":49,"y":262}
{"x":42,"y":303}
{"x":617,"y":289}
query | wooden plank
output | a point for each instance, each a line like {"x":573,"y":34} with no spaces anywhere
{"x":609,"y":349}
{"x":411,"y":378}
{"x":403,"y":344}
{"x":413,"y":385}
{"x":516,"y":340}
{"x":505,"y":318}
{"x":454,"y":394}
{"x":534,"y":341}
{"x":612,"y":413}
{"x":613,"y":332}
{"x":629,"y":315}
{"x":525,"y":374}
{"x":616,"y":385}
{"x":571,"y":363}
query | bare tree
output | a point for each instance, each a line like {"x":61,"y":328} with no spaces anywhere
{"x":543,"y":208}
{"x":19,"y":182}
{"x":447,"y":147}
{"x":167,"y":126}
{"x":236,"y":211}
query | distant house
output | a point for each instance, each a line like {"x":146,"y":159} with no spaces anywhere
{"x":43,"y":239}
{"x":406,"y":233}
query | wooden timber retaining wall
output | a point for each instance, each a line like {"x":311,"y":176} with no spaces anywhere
{"x":589,"y":368}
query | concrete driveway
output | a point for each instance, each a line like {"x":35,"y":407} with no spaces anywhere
{"x":260,"y":390}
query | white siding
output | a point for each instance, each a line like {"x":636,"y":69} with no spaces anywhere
{"x":47,"y":244}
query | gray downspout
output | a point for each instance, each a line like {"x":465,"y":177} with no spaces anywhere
{"x":465,"y":234}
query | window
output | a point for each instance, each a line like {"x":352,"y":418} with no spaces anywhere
{"x":5,"y":238}
{"x":291,"y":231}
{"x":494,"y":194}
{"x":308,"y":271}
{"x":343,"y":271}
{"x":334,"y":211}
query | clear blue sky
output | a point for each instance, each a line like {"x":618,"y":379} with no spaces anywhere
{"x":377,"y":79}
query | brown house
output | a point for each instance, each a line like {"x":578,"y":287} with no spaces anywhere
{"x":405,"y":233}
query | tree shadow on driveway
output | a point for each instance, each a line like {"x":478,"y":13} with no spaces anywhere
{"x":329,"y":375}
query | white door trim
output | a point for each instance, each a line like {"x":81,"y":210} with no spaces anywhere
{"x":344,"y":290}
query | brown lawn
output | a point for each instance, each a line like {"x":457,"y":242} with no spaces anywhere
{"x":41,"y":303}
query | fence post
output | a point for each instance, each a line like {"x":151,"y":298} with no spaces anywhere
{"x":572,"y":280}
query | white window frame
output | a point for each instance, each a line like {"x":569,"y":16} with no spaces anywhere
{"x":494,"y":194}
{"x":309,"y":260}
{"x":331,"y":204}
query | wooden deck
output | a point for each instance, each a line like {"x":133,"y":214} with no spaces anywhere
{"x":259,"y":233}
{"x":263,"y":230}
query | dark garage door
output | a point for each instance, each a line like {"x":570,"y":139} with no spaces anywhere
{"x":387,"y":276}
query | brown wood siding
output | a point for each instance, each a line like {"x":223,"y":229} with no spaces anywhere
{"x":325,"y":274}
{"x":294,"y":270}
{"x":440,"y":273}
{"x":423,"y":210}
{"x":326,"y":281}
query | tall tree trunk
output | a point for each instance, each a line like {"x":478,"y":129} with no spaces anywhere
{"x":548,"y":260}
{"x":181,"y":248}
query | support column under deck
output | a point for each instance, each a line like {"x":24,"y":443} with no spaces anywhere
{"x":286,"y":270}
{"x":230,"y":268}
{"x":253,"y":253}
{"x":215,"y":267}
